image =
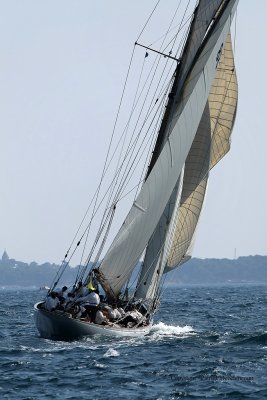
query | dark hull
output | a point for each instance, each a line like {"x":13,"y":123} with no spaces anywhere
{"x":61,"y":326}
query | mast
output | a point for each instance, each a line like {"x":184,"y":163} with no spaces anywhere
{"x":176,"y":238}
{"x":192,"y":44}
{"x":188,"y":105}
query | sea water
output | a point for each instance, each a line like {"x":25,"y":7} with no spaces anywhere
{"x":206,"y":342}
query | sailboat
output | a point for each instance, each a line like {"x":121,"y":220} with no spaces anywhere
{"x":193,"y":134}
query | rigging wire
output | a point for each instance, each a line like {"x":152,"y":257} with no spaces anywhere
{"x":123,"y":179}
{"x":123,"y":184}
{"x":141,"y":151}
{"x":94,"y":201}
{"x":135,"y":96}
{"x":181,"y":26}
{"x":148,"y":19}
{"x":170,"y":23}
{"x":119,"y":191}
{"x":113,"y":132}
{"x":124,"y":134}
{"x":235,"y":33}
{"x":147,"y":22}
{"x":153,"y":78}
{"x":64,"y":263}
{"x":95,"y":196}
{"x":181,"y":23}
{"x":188,"y":29}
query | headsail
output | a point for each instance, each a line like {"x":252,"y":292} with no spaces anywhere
{"x":193,"y":193}
{"x":151,"y":271}
{"x":147,"y":210}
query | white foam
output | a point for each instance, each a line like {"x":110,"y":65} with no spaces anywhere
{"x":55,"y":347}
{"x":111,"y":353}
{"x":99,"y":365}
{"x":161,"y":330}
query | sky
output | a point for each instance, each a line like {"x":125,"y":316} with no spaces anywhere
{"x":62,"y":69}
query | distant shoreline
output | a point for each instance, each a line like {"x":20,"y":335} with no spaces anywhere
{"x":167,"y":287}
{"x":250,"y":270}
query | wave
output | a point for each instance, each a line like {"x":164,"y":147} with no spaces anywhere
{"x":111,"y":353}
{"x":260,"y":338}
{"x":163,"y":330}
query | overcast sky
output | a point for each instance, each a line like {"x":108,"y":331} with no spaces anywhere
{"x":62,"y":68}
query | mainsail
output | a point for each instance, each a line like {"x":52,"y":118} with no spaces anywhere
{"x":202,"y":19}
{"x":188,"y":112}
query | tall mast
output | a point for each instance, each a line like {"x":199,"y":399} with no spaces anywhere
{"x":152,"y":271}
{"x":212,"y":23}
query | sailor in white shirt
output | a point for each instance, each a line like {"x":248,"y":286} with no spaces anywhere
{"x":51,"y":302}
{"x":90,"y":303}
{"x":113,"y":313}
{"x":100,"y":318}
{"x":91,"y":299}
{"x":121,"y":311}
{"x":136,"y":315}
{"x":68,"y":304}
{"x":133,"y":317}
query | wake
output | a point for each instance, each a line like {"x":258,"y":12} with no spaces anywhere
{"x":163,"y":330}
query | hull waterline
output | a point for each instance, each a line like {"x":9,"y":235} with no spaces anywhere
{"x":61,"y":326}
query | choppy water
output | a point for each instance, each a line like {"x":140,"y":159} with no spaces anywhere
{"x":207,"y":342}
